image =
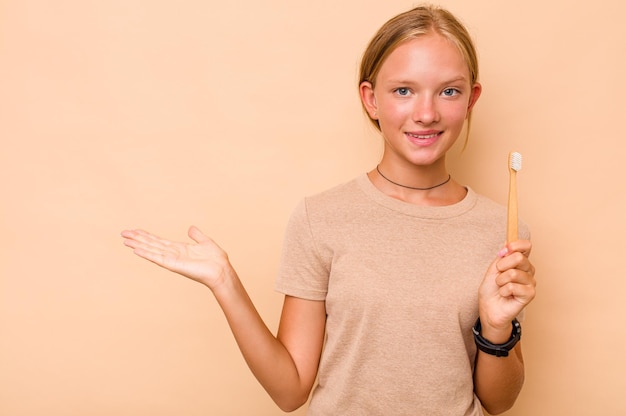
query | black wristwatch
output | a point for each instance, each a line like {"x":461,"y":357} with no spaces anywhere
{"x":499,"y":350}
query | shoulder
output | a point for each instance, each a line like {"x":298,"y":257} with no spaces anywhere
{"x":327,"y":211}
{"x":337,"y":194}
{"x":337,"y":201}
{"x":492,"y":213}
{"x":489,"y":206}
{"x":329,"y":202}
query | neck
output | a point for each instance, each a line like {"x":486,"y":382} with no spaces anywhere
{"x":415,"y":188}
{"x":447,"y":194}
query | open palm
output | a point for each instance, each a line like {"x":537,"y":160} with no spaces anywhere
{"x":203,"y":261}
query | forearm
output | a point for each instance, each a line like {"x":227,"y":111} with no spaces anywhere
{"x":498,"y":380}
{"x":268,"y":359}
{"x":508,"y":287}
{"x":271,"y":359}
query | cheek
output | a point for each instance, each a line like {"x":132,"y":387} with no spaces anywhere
{"x":456,"y":113}
{"x":390,"y":112}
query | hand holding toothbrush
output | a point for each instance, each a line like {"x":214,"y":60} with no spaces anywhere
{"x":509,"y":284}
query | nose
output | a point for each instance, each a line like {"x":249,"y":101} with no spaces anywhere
{"x":425,"y":110}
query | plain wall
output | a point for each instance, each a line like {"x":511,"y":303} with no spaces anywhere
{"x":224,"y":114}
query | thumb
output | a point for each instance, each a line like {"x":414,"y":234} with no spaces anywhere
{"x":493,"y":268}
{"x":196,"y":235}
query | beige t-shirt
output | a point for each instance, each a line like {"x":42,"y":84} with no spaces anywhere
{"x":400,"y":284}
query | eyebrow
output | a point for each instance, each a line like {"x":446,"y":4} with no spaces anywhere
{"x":450,"y":81}
{"x":457,"y":79}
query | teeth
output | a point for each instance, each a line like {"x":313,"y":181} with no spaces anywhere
{"x":425,"y":136}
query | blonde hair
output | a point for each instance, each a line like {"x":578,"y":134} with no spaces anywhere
{"x":417,"y":22}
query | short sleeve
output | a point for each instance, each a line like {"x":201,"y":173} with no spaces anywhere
{"x":302,"y":272}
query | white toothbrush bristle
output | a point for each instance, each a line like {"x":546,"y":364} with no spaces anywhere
{"x":516,"y":161}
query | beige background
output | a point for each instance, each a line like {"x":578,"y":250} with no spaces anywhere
{"x":161,"y":114}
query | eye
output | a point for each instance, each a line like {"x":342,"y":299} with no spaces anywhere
{"x":450,"y":92}
{"x":402,"y":91}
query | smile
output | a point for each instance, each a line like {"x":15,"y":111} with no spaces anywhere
{"x":423,"y":139}
{"x":423,"y":136}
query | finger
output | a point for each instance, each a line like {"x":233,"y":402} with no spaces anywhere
{"x":196,"y":235}
{"x":515,"y":276}
{"x":520,"y":246}
{"x":494,"y":268}
{"x":136,"y":234}
{"x":143,"y":249}
{"x":156,"y":257}
{"x":521,"y":293}
{"x":144,"y":237}
{"x":152,"y":248}
{"x":515,"y":260}
{"x":128,"y":234}
{"x":147,"y":237}
{"x":153,"y":251}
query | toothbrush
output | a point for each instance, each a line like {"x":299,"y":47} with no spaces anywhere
{"x":515,"y":164}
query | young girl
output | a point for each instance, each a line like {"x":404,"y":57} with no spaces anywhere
{"x":400,"y":298}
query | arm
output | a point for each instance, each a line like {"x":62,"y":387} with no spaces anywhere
{"x":285,"y":365}
{"x":507,"y":288}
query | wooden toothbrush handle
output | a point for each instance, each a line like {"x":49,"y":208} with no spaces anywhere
{"x":511,"y":229}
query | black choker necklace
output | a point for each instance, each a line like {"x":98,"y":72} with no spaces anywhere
{"x":413,"y":187}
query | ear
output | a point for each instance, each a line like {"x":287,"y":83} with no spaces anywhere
{"x":476,"y":90}
{"x":366,"y":90}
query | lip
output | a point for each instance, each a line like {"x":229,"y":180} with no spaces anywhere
{"x":424,"y":137}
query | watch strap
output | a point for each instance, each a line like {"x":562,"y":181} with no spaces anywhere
{"x":499,"y":350}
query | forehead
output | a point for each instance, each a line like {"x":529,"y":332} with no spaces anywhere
{"x":431,"y":55}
